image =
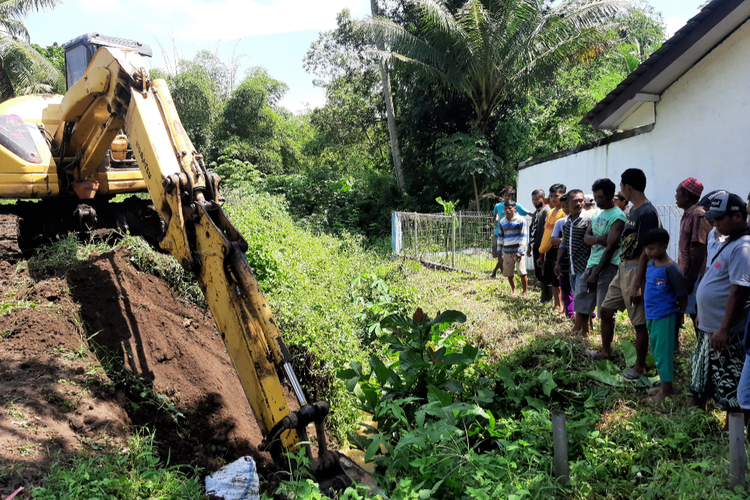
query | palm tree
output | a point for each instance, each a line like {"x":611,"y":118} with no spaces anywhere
{"x":491,"y":49}
{"x":390,"y":113}
{"x":23,"y":69}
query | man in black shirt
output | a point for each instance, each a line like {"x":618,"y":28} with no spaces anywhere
{"x":622,"y":294}
{"x":536,"y":231}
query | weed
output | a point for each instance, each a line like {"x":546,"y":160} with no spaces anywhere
{"x":146,"y":259}
{"x":13,"y":411}
{"x":28,"y":449}
{"x":79,"y":353}
{"x":9,"y":306}
{"x":134,"y":472}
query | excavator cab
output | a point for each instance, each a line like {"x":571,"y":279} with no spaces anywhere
{"x":80,"y":50}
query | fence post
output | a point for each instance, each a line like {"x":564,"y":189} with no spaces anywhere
{"x":560,"y":442}
{"x":395,"y":233}
{"x":453,"y":241}
{"x":737,"y":449}
{"x":416,"y":255}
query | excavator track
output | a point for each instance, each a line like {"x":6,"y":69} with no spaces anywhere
{"x":10,"y":248}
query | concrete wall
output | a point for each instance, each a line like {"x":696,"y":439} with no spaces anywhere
{"x":702,"y":130}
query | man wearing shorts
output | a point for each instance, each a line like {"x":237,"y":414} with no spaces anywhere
{"x":498,"y":212}
{"x":603,"y":235}
{"x":512,"y":240}
{"x":626,"y":290}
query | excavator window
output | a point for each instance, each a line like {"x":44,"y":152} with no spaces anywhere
{"x":76,"y":61}
{"x":79,"y":51}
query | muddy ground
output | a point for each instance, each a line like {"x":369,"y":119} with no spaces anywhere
{"x":62,"y":388}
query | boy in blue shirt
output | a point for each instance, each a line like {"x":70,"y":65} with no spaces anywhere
{"x":665,"y":297}
{"x":498,"y":212}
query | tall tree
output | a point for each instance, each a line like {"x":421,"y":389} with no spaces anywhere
{"x":489,"y":50}
{"x":390,"y":113}
{"x":22,"y":68}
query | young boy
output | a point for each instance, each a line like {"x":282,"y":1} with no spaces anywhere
{"x":665,"y":297}
{"x":511,"y":242}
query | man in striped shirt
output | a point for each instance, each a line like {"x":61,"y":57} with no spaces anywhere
{"x":573,"y":249}
{"x":512,"y":239}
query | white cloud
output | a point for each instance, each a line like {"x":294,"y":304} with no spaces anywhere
{"x":674,"y":23}
{"x":101,"y":5}
{"x":232,"y":19}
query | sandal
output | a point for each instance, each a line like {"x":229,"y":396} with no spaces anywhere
{"x":631,"y":374}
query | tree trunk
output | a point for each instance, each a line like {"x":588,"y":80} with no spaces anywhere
{"x":476,"y":193}
{"x":387,"y":95}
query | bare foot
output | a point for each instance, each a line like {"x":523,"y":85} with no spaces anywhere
{"x":525,"y":295}
{"x":654,"y":390}
{"x":658,"y":398}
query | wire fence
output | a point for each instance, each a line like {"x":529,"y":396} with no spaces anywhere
{"x":463,"y":241}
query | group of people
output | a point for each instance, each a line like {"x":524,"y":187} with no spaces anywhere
{"x":608,"y":252}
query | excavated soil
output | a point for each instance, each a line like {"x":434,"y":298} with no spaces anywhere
{"x":65,"y":387}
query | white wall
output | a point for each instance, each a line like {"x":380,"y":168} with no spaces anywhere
{"x":702,"y":130}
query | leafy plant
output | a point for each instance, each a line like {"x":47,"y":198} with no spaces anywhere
{"x":136,"y":471}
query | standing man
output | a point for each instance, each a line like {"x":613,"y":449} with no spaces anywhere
{"x":723,"y":298}
{"x":564,"y":275}
{"x":603,"y":235}
{"x":573,"y":248}
{"x":743,"y":391}
{"x":512,"y":241}
{"x":536,"y":231}
{"x":498,"y":212}
{"x":626,"y":290}
{"x":694,"y":231}
{"x":622,"y":203}
{"x":548,"y":252}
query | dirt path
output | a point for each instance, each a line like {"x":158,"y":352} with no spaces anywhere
{"x":59,"y":392}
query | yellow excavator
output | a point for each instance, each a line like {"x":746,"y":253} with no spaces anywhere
{"x":116,"y":131}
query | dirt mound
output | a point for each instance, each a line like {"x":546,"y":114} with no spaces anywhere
{"x":88,"y":358}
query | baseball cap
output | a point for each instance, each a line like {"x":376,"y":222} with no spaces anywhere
{"x":725,"y":204}
{"x":705,"y":202}
{"x":588,"y":199}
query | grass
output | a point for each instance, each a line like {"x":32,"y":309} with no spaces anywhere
{"x":131,"y":472}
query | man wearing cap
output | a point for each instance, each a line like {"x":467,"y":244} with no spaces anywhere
{"x":723,"y":298}
{"x":694,"y":231}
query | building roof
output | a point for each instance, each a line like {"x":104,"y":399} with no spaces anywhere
{"x":714,"y":23}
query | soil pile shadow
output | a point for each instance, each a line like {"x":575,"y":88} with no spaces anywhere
{"x":173,"y":348}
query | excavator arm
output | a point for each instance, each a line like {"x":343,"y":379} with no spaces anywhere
{"x":116,"y":93}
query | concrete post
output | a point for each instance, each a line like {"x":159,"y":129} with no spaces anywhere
{"x":560,"y":441}
{"x":737,"y":449}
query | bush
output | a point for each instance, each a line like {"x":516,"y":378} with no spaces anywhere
{"x":310,"y":282}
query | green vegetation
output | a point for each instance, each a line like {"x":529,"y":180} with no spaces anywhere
{"x":132,"y":472}
{"x":462,"y":407}
{"x":26,"y":68}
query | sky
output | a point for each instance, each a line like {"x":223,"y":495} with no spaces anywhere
{"x":274,"y":34}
